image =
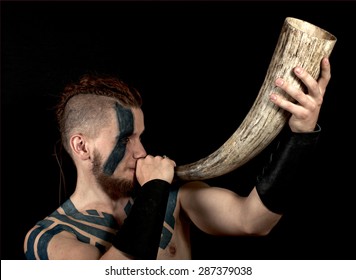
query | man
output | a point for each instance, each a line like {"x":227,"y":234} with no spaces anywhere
{"x":125,"y":205}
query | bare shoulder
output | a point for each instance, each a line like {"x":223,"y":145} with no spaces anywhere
{"x":40,"y":244}
{"x":70,"y":234}
{"x":66,"y":246}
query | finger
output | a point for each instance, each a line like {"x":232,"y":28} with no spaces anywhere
{"x":315,"y":88}
{"x":286,"y":104}
{"x":297,"y":94}
{"x":172,"y":161}
{"x":325,"y":75}
{"x":311,"y":84}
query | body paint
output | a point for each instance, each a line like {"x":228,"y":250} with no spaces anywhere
{"x":125,"y":120}
{"x":169,"y":218}
{"x":91,"y":227}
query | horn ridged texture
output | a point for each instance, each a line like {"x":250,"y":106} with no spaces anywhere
{"x":300,"y":43}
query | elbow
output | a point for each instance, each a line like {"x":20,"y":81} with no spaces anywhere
{"x":265,"y":232}
{"x":258,"y":232}
{"x":260,"y":229}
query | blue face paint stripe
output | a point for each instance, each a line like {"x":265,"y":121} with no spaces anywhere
{"x":125,"y":119}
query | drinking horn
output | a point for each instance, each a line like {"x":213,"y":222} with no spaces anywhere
{"x":299,"y":43}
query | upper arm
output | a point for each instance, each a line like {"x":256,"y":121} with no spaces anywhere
{"x":65,"y":246}
{"x":42,"y":245}
{"x":213,"y":210}
{"x":222,"y":211}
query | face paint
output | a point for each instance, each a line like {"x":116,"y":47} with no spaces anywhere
{"x":125,"y":120}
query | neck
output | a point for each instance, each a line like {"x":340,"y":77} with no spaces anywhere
{"x":88,"y":195}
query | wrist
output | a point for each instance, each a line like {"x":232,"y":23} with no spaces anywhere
{"x":141,"y":231}
{"x":279,"y":178}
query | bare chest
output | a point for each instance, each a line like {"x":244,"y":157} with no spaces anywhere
{"x":175,"y":243}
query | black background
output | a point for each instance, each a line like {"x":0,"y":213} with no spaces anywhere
{"x":199,"y":66}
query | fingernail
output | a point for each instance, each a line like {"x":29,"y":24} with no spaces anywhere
{"x":279,"y":82}
{"x":273,"y":96}
{"x":298,"y":70}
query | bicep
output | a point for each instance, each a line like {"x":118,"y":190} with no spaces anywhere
{"x":213,"y":210}
{"x":67,"y":247}
{"x":220,"y":211}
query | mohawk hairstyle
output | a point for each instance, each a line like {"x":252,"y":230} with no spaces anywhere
{"x":99,"y":84}
{"x":76,"y":108}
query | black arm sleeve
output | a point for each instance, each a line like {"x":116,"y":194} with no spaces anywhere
{"x":279,"y":178}
{"x":141,"y":231}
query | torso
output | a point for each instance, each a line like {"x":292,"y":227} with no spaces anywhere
{"x":175,"y":240}
{"x":99,"y":229}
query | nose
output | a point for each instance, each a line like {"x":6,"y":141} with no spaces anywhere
{"x":139,"y":151}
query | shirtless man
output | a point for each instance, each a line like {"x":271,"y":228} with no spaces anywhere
{"x":126,"y":204}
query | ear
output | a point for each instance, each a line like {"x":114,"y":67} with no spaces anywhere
{"x":80,"y":146}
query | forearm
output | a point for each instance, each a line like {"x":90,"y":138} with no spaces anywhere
{"x":139,"y":236}
{"x":279,"y":179}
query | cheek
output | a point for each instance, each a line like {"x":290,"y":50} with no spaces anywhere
{"x":106,"y":150}
{"x":114,"y":159}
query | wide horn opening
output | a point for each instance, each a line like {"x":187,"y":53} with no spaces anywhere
{"x":299,"y":43}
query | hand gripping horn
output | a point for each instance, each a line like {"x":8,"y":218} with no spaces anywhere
{"x":300,"y":43}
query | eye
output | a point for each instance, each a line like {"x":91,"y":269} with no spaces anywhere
{"x":125,"y":140}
